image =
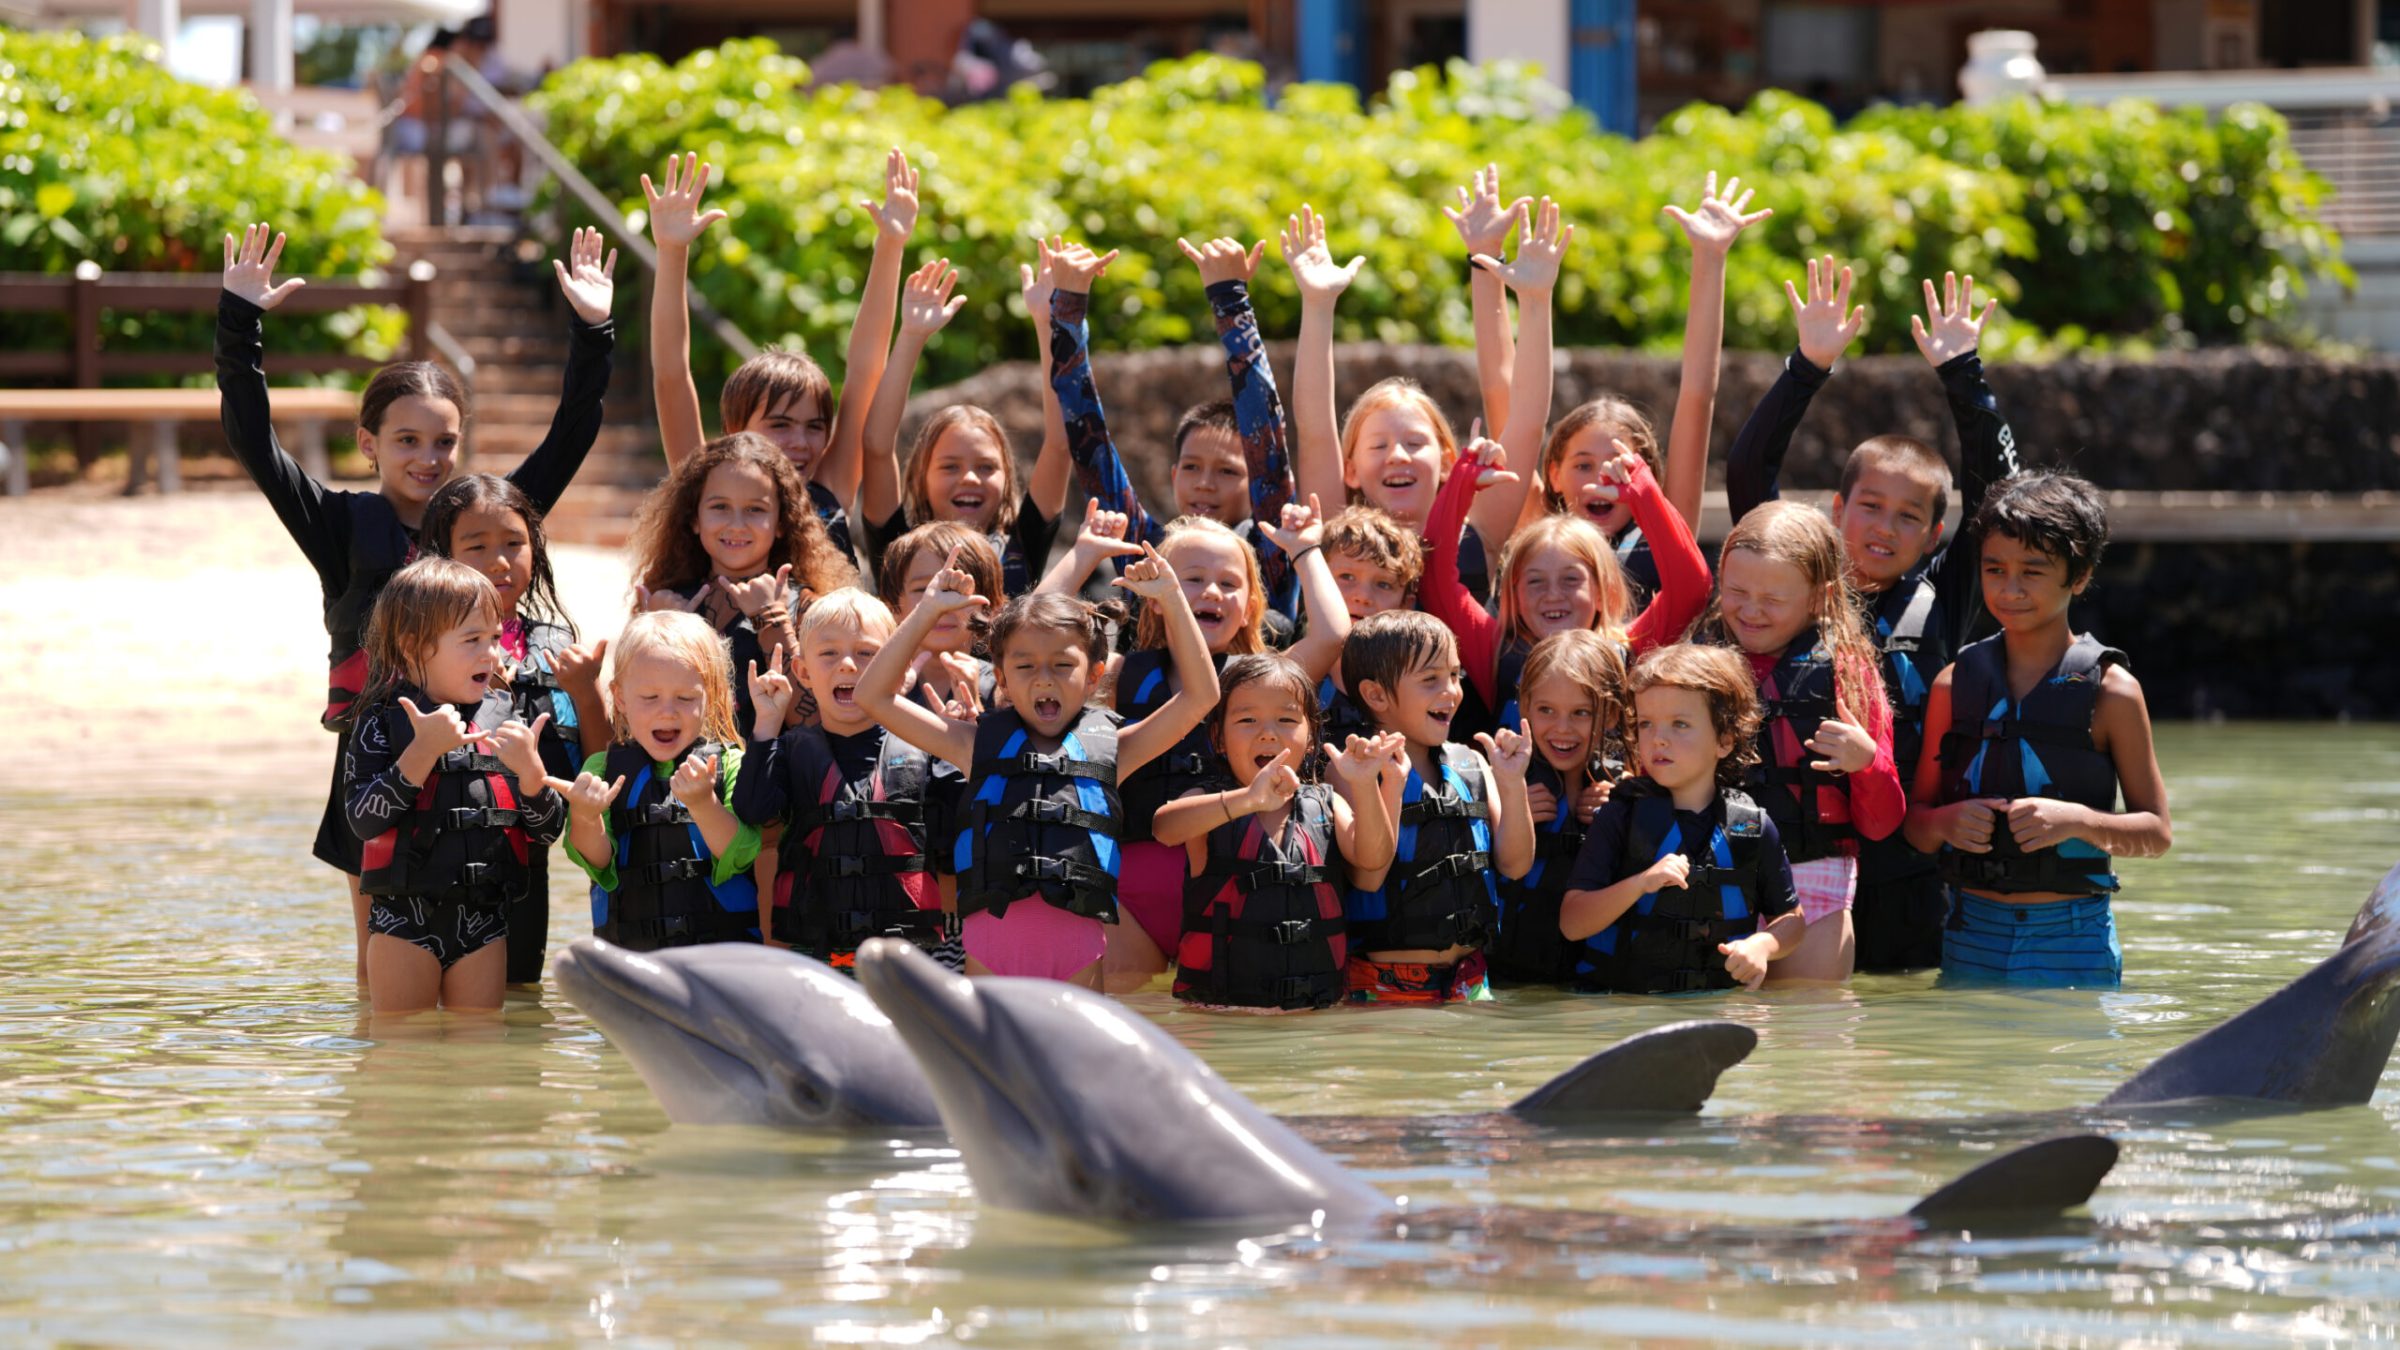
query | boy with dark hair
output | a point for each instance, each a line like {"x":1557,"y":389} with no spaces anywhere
{"x":1376,"y":564}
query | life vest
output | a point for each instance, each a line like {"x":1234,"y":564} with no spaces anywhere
{"x":1529,"y":948}
{"x":1667,"y":943}
{"x":379,"y":546}
{"x":1262,"y":923}
{"x":1811,"y":810}
{"x":666,"y":894}
{"x":852,"y":864}
{"x":462,"y":839}
{"x":2040,"y":746}
{"x":837,"y":522}
{"x":1036,"y":824}
{"x":534,"y":690}
{"x":1639,"y":565}
{"x":1440,"y":891}
{"x":1339,"y":715}
{"x":1016,"y":575}
{"x":1144,"y":680}
{"x":1914,"y":648}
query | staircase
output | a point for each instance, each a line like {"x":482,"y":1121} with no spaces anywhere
{"x":504,"y":309}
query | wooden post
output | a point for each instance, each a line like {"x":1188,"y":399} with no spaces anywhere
{"x":420,"y":311}
{"x":312,"y":449}
{"x":84,"y":323}
{"x":13,"y":444}
{"x":165,"y":454}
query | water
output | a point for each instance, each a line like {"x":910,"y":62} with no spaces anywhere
{"x":201,"y":1144}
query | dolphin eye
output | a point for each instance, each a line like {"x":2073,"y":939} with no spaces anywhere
{"x":808,"y":1096}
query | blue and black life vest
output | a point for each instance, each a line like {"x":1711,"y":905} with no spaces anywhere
{"x":1145,"y":681}
{"x":462,"y":839}
{"x":1529,"y":949}
{"x":1340,"y":715}
{"x":1906,"y":621}
{"x":852,"y":865}
{"x":1440,"y":892}
{"x":1639,"y":565}
{"x":1811,"y":810}
{"x":1667,"y":943}
{"x":1262,"y":923}
{"x":666,"y":894}
{"x":534,"y":690}
{"x":2038,"y":746}
{"x":1040,"y":824}
{"x":837,"y":521}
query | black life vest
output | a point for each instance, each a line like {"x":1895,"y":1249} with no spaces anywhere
{"x":1639,"y":565}
{"x":1016,"y":574}
{"x":1667,"y":943}
{"x":1340,"y":716}
{"x":1040,"y":824}
{"x":1906,"y":622}
{"x":743,"y":646}
{"x":1145,"y":681}
{"x":1440,"y":892}
{"x":462,"y":839}
{"x":1262,"y":923}
{"x":1810,"y":809}
{"x":534,"y":690}
{"x":2040,"y":746}
{"x":666,"y":894}
{"x":837,"y":522}
{"x":379,"y":546}
{"x":1529,"y":949}
{"x":852,"y":864}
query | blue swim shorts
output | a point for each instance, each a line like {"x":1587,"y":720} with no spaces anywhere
{"x":2062,"y":942}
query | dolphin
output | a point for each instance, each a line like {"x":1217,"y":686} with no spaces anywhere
{"x":731,"y":1033}
{"x":1065,"y":1103}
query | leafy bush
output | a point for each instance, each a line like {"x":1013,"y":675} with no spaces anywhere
{"x":2039,"y":201}
{"x":106,"y":156}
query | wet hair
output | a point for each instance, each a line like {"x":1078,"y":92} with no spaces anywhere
{"x":1718,"y":674}
{"x":490,"y":492}
{"x":403,"y":379}
{"x":666,"y":549}
{"x":422,"y":601}
{"x":1398,"y":391}
{"x":1906,"y":456}
{"x":1215,"y":415}
{"x":976,"y":557}
{"x":1805,"y":539}
{"x":1595,"y":666}
{"x":1365,"y":533}
{"x":1385,"y":647}
{"x":2052,"y":513}
{"x":1150,"y":627}
{"x":917,"y":497}
{"x":767,"y":381}
{"x":1581,"y":540}
{"x":1631,"y":424}
{"x":1267,"y":668}
{"x":686,"y":638}
{"x":848,"y":607}
{"x":1047,"y":611}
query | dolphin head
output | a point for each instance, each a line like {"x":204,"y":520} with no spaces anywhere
{"x":732,"y":1033}
{"x":1065,"y":1103}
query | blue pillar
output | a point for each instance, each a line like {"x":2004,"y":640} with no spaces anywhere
{"x":1327,"y":34}
{"x":1600,"y":61}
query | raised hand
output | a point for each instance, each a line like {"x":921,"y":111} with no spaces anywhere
{"x":675,"y":216}
{"x":1967,"y":826}
{"x":1038,"y":280}
{"x":1720,"y":219}
{"x":926,"y":304}
{"x":771,"y":696}
{"x":1314,"y":271}
{"x":1103,"y":533}
{"x":1841,"y":742}
{"x":1357,"y":761}
{"x":647,"y":601}
{"x":1826,"y":323}
{"x":1672,"y":870}
{"x":578,"y":667}
{"x":965,"y":703}
{"x":951,"y":589}
{"x":1223,"y":259}
{"x":589,"y":795}
{"x":588,"y":283}
{"x":695,"y":780}
{"x":520,"y":748}
{"x":896,"y":218}
{"x":250,"y":267}
{"x":1275,"y":785}
{"x":761,"y":594}
{"x":440,"y":731}
{"x":1950,"y":328}
{"x":1483,"y":457}
{"x":1150,"y":577}
{"x":2044,"y":822}
{"x":1074,"y":267}
{"x":1302,"y":527}
{"x":1510,"y":752}
{"x":1535,"y":272}
{"x":1484,"y":221}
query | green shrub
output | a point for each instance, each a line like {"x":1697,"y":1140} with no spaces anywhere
{"x":2038,"y":201}
{"x":106,"y":156}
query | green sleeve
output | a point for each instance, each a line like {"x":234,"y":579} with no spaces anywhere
{"x":746,"y":842}
{"x":605,"y":875}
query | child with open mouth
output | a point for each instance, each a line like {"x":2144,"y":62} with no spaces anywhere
{"x":1575,"y":713}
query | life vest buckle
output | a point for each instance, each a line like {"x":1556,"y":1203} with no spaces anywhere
{"x":1685,"y":981}
{"x":845,"y":865}
{"x":1284,"y":874}
{"x":1291,"y":931}
{"x":1980,"y":869}
{"x":1046,"y":811}
{"x":1188,"y":762}
{"x":479,"y":817}
{"x":668,"y":812}
{"x":676,"y":869}
{"x":1299,"y":991}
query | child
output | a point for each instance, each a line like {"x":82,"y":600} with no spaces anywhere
{"x":1418,"y":937}
{"x":1574,"y":713}
{"x":1825,"y":772}
{"x":1035,"y":843}
{"x":2041,"y":730}
{"x":1262,"y":925}
{"x":409,"y":422}
{"x":653,"y":824}
{"x":1557,"y":574}
{"x":1918,"y":588}
{"x":853,"y":800}
{"x":1376,"y":565}
{"x":446,"y":792}
{"x":947,"y":668}
{"x":725,"y":536}
{"x":1682,"y":883}
{"x":783,"y":396}
{"x":960,"y":468}
{"x":490,"y":524}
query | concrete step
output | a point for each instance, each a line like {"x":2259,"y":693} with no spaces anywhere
{"x":493,"y":440}
{"x":594,"y":513}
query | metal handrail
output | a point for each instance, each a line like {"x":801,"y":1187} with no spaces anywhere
{"x":611,"y":219}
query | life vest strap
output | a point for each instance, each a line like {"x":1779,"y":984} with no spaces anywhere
{"x":854,"y":865}
{"x":2040,"y":733}
{"x":683,"y":930}
{"x":1058,"y":765}
{"x":1049,"y":811}
{"x":668,"y":812}
{"x":467,"y":818}
{"x":846,"y":812}
{"x":673,"y":869}
{"x":1808,"y":707}
{"x":1282,"y":932}
{"x":2047,"y":870}
{"x":1251,"y":876}
{"x":1441,"y":808}
{"x":1455,"y":865}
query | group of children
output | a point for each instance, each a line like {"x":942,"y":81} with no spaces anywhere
{"x":1371,"y":715}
